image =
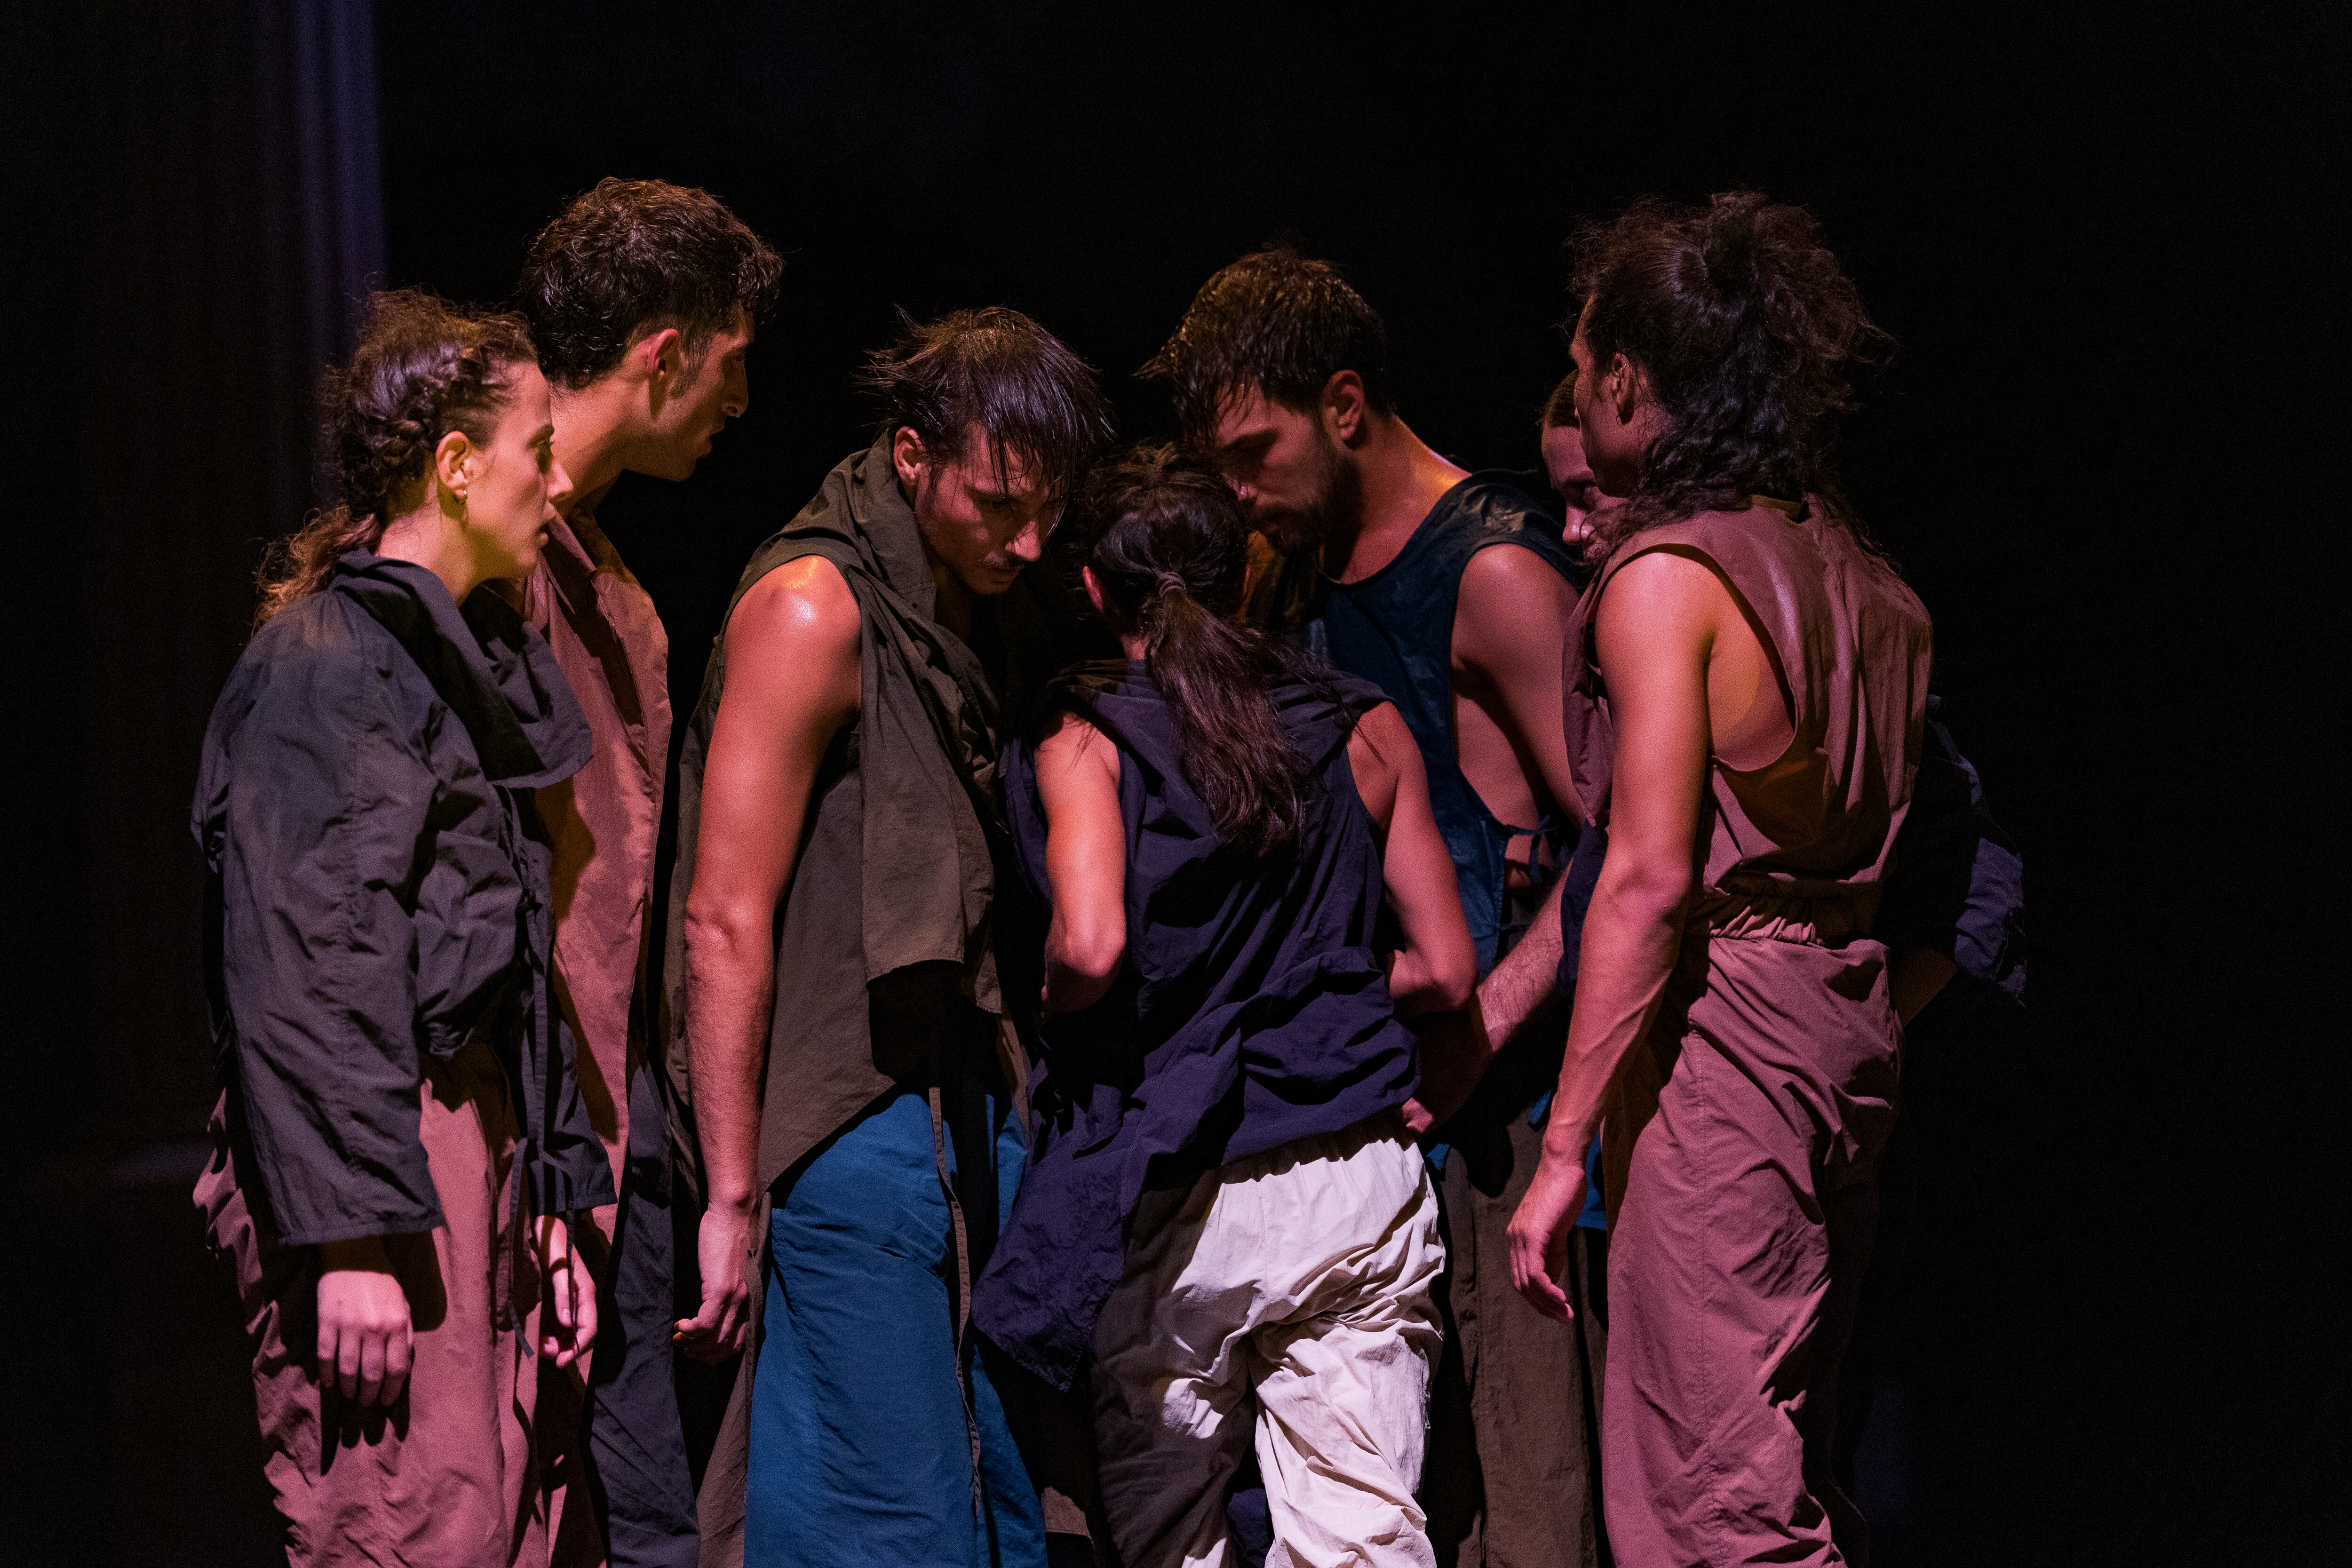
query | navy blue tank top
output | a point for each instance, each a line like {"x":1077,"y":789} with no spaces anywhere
{"x":1251,"y":1010}
{"x":1395,"y":629}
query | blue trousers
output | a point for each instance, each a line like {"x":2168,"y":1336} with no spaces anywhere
{"x":861,"y":1441}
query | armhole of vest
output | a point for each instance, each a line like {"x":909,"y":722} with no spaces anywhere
{"x":1690,"y":551}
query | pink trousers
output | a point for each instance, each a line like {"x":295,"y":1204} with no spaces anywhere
{"x":1736,"y":1254}
{"x":446,"y":1474}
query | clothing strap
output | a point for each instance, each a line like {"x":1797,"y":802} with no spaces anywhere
{"x":962,"y":1289}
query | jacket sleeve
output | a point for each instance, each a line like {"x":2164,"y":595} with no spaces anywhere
{"x":1957,"y":886}
{"x":325,"y":806}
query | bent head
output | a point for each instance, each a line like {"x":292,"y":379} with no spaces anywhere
{"x":654,"y":291}
{"x":992,"y":419}
{"x":1277,"y":372}
{"x":1564,"y":462}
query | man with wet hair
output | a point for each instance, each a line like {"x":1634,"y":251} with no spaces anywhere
{"x":1450,"y":591}
{"x":852,"y":1073}
{"x":643,"y":298}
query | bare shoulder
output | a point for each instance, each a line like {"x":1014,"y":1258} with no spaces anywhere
{"x":1071,"y":746}
{"x":1512,"y":603}
{"x":798,"y":630}
{"x":1662,"y":591}
{"x":1378,"y":750}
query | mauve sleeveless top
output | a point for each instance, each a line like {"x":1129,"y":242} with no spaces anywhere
{"x":1795,"y":850}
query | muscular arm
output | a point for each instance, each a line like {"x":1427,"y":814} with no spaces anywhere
{"x":1086,"y":865}
{"x":1657,"y":636}
{"x":792,"y":683}
{"x":1435,"y":969}
{"x":1510,"y":623}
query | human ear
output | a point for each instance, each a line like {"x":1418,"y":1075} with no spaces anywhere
{"x":1625,"y":387}
{"x":453,"y":464}
{"x":660,"y":360}
{"x":907,"y":456}
{"x":1343,"y":407}
{"x":1095,"y":591}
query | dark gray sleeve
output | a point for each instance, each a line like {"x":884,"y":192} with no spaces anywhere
{"x":1958,"y":886}
{"x":325,"y":807}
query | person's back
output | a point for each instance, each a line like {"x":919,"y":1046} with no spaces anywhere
{"x":1223,"y":1207}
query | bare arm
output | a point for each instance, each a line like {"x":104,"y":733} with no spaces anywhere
{"x":1085,"y":864}
{"x":1436,"y":968}
{"x":1657,"y":633}
{"x":1508,"y":627}
{"x":792,"y":683}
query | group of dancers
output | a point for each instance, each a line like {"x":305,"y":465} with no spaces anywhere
{"x":1260,"y":998}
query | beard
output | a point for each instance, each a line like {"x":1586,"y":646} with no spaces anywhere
{"x":1334,"y":506}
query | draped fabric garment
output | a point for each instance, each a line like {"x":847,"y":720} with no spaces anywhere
{"x":1745,"y":1135}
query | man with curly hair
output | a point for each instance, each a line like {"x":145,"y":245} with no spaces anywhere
{"x":643,"y":298}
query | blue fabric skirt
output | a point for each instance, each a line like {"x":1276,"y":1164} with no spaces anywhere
{"x":861,"y":1447}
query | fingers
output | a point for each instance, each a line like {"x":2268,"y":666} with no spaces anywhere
{"x":398,"y":1351}
{"x":371,"y":1359}
{"x":327,"y":1337}
{"x":583,"y":1329}
{"x":347,"y":1361}
{"x":1417,"y":1118}
{"x":1532,"y":1277}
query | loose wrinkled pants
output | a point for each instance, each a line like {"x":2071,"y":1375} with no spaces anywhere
{"x":1737,"y":1253}
{"x":446,"y":1474}
{"x":1287,"y":1294}
{"x":861,"y":1442}
{"x":1514,"y":1414}
{"x":635,"y":1441}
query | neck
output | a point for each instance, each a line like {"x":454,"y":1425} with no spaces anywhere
{"x":591,"y":438}
{"x":1403,"y":480}
{"x":427,"y":538}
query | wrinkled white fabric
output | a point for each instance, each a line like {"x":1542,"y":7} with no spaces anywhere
{"x":1287,"y":1294}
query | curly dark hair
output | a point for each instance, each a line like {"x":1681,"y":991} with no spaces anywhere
{"x":423,"y":368}
{"x":634,"y":257}
{"x":997,"y":371}
{"x":1752,"y":340}
{"x":1277,"y":320}
{"x":1165,"y":537}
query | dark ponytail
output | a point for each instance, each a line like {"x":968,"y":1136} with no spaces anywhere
{"x":423,"y":368}
{"x":1164,"y":537}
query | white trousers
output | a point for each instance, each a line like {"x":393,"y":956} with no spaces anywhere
{"x":1288,"y":1292}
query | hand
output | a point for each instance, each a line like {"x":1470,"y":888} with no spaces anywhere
{"x":1539,"y":1230}
{"x":1454,"y":1052}
{"x":571,"y":1290}
{"x":364,"y":1332}
{"x":726,"y":1247}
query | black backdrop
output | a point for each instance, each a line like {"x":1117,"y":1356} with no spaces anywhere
{"x":2106,"y":458}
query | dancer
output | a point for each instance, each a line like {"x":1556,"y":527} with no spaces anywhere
{"x":1450,"y":592}
{"x":1564,"y":466}
{"x":1225,"y":1202}
{"x":401,"y":1152}
{"x":838,"y":831}
{"x":642,"y":299}
{"x":1746,"y":683}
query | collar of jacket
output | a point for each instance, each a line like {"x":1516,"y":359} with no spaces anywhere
{"x":881,"y":526}
{"x":495,"y":673}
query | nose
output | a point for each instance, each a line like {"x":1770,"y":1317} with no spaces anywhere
{"x":1244,"y":492}
{"x":558,"y":485}
{"x":1029,"y":545}
{"x":739,"y":393}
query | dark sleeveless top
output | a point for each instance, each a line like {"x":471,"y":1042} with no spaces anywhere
{"x":1395,"y":629}
{"x":1251,"y":1010}
{"x":1796,"y":850}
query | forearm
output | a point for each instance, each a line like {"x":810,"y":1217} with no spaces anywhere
{"x":1520,"y":990}
{"x":1632,"y":937}
{"x":1076,"y":977}
{"x":731,"y":993}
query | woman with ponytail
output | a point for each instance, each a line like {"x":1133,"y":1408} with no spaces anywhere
{"x":1241,"y":887}
{"x":400,"y":1145}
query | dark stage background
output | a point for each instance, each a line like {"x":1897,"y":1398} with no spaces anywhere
{"x":2109,"y":459}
